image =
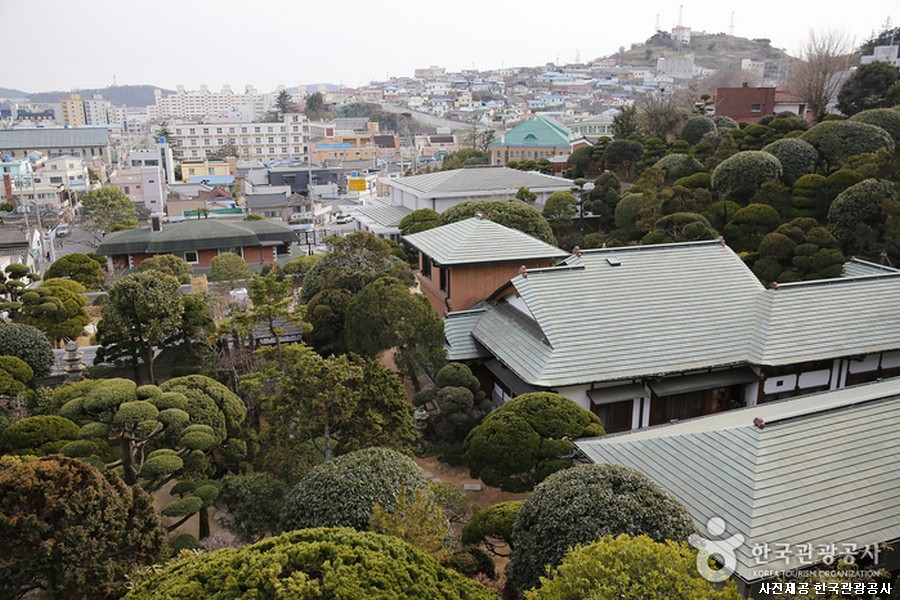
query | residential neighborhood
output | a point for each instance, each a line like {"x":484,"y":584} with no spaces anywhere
{"x":619,"y":327}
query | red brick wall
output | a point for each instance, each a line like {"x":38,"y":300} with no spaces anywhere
{"x":253,"y":255}
{"x":737,"y":103}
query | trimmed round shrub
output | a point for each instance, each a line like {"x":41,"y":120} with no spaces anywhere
{"x":677,"y":166}
{"x":749,"y":225}
{"x":797,"y":158}
{"x":28,"y":344}
{"x":108,"y":394}
{"x":209,"y":403}
{"x":837,"y":141}
{"x":857,"y":216}
{"x":697,"y":180}
{"x":17,"y":368}
{"x":133,"y":412}
{"x":583,"y":504}
{"x":78,"y":267}
{"x":630,"y":568}
{"x":738,"y":177}
{"x":495,"y":522}
{"x":526,"y":439}
{"x":513,"y":214}
{"x":887,"y":119}
{"x":31,"y":433}
{"x":696,"y":127}
{"x":724,"y":123}
{"x":313,"y":563}
{"x":342,"y":492}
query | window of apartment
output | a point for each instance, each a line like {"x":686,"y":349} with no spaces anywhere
{"x":284,"y":139}
{"x":206,"y":142}
{"x":192,"y":131}
{"x":259,"y":140}
{"x":296,"y":139}
{"x":231,"y":130}
{"x":192,"y":171}
{"x":271,"y":140}
{"x":269,"y":129}
{"x":220,"y":141}
{"x":243,"y":130}
{"x":271,"y":150}
{"x":259,"y":150}
{"x":256,"y":130}
{"x":426,"y":266}
{"x":127,"y":189}
{"x":212,"y":171}
{"x":194,"y":153}
{"x":205,"y":130}
{"x":190,"y":256}
{"x":193,"y":142}
{"x":756,"y":108}
{"x":218,"y":130}
{"x":284,"y":150}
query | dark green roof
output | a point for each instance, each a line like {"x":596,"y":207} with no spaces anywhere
{"x":200,"y":234}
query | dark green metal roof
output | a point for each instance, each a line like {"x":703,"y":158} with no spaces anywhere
{"x":130,"y":241}
{"x":200,"y":234}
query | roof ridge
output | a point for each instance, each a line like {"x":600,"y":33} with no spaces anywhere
{"x":832,"y":281}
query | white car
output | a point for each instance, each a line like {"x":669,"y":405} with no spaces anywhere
{"x":343,"y":219}
{"x":63,"y":229}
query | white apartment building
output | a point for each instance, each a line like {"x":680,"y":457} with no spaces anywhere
{"x":254,"y":141}
{"x":96,"y":110}
{"x":185,"y":104}
{"x":143,"y":185}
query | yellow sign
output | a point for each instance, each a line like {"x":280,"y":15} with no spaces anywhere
{"x":356,"y":185}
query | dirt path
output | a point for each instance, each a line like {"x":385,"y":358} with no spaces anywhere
{"x":436,"y":471}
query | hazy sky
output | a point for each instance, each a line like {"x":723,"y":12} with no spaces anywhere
{"x":65,"y":44}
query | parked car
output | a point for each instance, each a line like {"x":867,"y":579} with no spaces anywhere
{"x":63,"y":229}
{"x":343,"y":219}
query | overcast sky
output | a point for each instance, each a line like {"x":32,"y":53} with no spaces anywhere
{"x":62,"y":45}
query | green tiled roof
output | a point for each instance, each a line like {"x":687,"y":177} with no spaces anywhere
{"x":458,"y":334}
{"x":478,"y":240}
{"x":199,"y":234}
{"x":647,"y":311}
{"x":538,"y":131}
{"x":776,"y":485}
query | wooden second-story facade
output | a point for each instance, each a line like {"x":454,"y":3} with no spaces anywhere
{"x":463,"y":263}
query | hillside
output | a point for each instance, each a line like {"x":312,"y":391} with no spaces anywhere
{"x":120,"y":95}
{"x":11,"y":93}
{"x":713,"y":51}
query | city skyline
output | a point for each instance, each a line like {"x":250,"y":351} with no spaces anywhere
{"x":228,"y":43}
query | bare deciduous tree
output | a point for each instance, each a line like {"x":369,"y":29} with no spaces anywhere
{"x":825,"y":58}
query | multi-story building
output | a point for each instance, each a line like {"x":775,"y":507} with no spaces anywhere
{"x":143,"y":185}
{"x":96,"y":110}
{"x":192,"y":168}
{"x":252,"y":141}
{"x":158,"y":156}
{"x":750,"y":104}
{"x":73,"y":111}
{"x":536,"y":138}
{"x":90,"y":143}
{"x":889,"y":54}
{"x":183,"y":104}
